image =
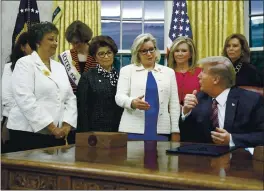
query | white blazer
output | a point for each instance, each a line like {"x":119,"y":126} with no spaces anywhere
{"x":41,"y":96}
{"x":132,"y":84}
{"x":7,"y":98}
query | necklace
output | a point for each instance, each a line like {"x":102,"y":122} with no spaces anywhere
{"x":238,"y":67}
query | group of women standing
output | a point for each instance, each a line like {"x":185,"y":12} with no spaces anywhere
{"x":144,"y":101}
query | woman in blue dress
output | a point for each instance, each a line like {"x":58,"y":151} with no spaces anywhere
{"x":148,"y":93}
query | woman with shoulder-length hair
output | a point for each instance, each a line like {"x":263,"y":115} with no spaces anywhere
{"x":237,"y":50}
{"x":45,"y":109}
{"x":182,"y":59}
{"x":148,"y":93}
{"x":20,"y":49}
{"x":97,"y":110}
{"x":77,"y":60}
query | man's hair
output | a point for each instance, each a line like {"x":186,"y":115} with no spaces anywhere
{"x":221,"y":66}
{"x":138,"y":42}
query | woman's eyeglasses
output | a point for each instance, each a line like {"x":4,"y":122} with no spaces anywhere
{"x":145,"y":51}
{"x":108,"y":53}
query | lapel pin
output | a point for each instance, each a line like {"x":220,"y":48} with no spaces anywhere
{"x":233,"y":104}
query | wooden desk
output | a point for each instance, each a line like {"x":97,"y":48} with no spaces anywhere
{"x":141,"y":166}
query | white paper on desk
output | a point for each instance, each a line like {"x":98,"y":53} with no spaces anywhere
{"x":250,"y":149}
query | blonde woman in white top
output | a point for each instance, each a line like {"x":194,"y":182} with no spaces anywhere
{"x":148,"y":93}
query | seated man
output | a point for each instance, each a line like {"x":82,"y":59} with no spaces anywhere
{"x":222,"y":113}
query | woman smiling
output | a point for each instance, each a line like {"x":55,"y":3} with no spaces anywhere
{"x":45,"y":107}
{"x":97,"y":110}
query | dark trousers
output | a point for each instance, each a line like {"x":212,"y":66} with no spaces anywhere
{"x":22,"y":140}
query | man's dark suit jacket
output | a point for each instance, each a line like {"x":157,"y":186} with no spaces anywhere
{"x":244,"y":119}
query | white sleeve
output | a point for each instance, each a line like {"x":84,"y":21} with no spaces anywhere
{"x":70,"y":105}
{"x":122,"y":96}
{"x":174,"y":104}
{"x":231,"y":142}
{"x":23,"y":83}
{"x":7,"y":99}
{"x":184,"y":116}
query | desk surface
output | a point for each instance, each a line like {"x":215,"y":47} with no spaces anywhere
{"x":145,"y":164}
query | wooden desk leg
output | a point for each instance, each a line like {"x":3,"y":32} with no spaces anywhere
{"x":64,"y":182}
{"x":4,"y":179}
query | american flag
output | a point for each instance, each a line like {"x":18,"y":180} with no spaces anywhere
{"x":180,"y":23}
{"x":28,"y":14}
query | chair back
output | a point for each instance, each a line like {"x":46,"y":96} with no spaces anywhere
{"x":259,"y":90}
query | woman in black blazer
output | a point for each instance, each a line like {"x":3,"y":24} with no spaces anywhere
{"x":97,"y":109}
{"x":237,"y":50}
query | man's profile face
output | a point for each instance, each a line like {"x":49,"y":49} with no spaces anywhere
{"x":206,"y":79}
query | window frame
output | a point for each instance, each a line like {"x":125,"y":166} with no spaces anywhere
{"x":247,"y":17}
{"x":122,"y":51}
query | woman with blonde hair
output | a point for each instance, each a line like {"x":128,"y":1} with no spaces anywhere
{"x":148,"y":93}
{"x":182,"y":59}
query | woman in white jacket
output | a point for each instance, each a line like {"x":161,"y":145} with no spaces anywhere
{"x":20,"y":49}
{"x":148,"y":93}
{"x":45,"y":107}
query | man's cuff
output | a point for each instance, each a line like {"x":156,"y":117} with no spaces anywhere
{"x":184,"y":116}
{"x":231,"y":142}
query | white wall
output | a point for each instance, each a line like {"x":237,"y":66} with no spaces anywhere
{"x":9,"y":11}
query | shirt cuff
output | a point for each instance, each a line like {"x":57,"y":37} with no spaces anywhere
{"x":184,"y":116}
{"x":231,"y":142}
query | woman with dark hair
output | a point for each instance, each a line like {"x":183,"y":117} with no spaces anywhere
{"x":97,"y":110}
{"x":237,"y":50}
{"x":20,"y":49}
{"x":45,"y":108}
{"x":77,"y":60}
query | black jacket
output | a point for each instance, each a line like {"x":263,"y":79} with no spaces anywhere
{"x":248,"y":75}
{"x":97,"y":109}
{"x":244,"y":119}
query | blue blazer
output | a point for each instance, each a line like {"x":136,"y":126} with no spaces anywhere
{"x":244,"y":119}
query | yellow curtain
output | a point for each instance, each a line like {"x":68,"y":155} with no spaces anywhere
{"x":212,"y":22}
{"x":66,"y":12}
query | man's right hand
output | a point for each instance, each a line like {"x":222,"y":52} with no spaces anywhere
{"x":138,"y":103}
{"x":190,"y":101}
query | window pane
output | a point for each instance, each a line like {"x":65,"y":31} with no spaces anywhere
{"x":110,"y":9}
{"x":132,"y":9}
{"x":162,"y":60}
{"x":112,"y":29}
{"x":130,"y":31}
{"x":154,"y":10}
{"x":256,"y":31}
{"x":117,"y":63}
{"x":157,"y":30}
{"x":256,"y":7}
{"x":257,"y":59}
{"x":126,"y":59}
